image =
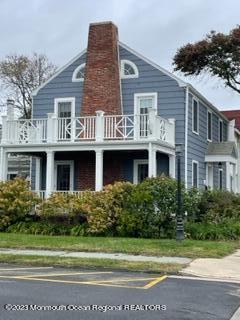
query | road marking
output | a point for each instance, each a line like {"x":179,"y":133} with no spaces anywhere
{"x":30,"y":268}
{"x":154,"y":282}
{"x":236,"y":315}
{"x":122,"y":280}
{"x":205,"y":279}
{"x":64,"y":274}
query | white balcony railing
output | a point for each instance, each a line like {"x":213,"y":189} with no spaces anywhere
{"x":94,"y":128}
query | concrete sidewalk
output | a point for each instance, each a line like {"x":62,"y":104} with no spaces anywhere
{"x":225,"y":268}
{"x":98,"y":255}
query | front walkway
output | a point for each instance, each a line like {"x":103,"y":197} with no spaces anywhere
{"x":225,"y":268}
{"x":97,"y":255}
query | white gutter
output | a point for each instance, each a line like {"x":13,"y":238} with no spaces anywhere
{"x":186,"y":135}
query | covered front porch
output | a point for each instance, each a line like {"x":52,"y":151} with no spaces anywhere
{"x":59,"y":169}
{"x":76,"y":171}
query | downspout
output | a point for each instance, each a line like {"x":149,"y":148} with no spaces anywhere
{"x":186,"y":137}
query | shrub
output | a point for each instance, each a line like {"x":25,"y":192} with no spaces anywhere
{"x":218,"y":206}
{"x":16,"y":202}
{"x":149,"y":211}
{"x":211,"y":231}
{"x":106,"y":207}
{"x":65,"y":208}
{"x":42,"y":228}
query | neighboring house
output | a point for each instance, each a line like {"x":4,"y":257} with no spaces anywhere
{"x":111,"y":114}
{"x":234,"y":118}
{"x":18,"y":165}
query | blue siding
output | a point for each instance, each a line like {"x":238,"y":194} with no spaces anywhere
{"x":197,"y":144}
{"x":59,"y":87}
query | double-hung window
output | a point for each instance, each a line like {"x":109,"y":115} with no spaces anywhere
{"x":220,"y":131}
{"x":195,"y":116}
{"x":195,"y":174}
{"x":209,"y":126}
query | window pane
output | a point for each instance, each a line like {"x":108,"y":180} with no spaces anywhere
{"x":209,"y":126}
{"x":220,"y":131}
{"x":146,"y":102}
{"x":195,"y":175}
{"x":80,"y":74}
{"x":195,"y":116}
{"x":63,"y":177}
{"x":128,"y":70}
{"x":64,"y":109}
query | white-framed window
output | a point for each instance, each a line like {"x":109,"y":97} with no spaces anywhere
{"x":64,"y":174}
{"x":79,"y":73}
{"x":195,"y":116}
{"x":209,"y":175}
{"x":142,"y":103}
{"x":220,"y":133}
{"x":209,"y":125}
{"x":195,"y":174}
{"x":64,"y":108}
{"x":12,"y":175}
{"x":220,"y":178}
{"x":128,"y":70}
{"x":140,"y":170}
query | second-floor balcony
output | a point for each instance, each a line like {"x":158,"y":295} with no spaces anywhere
{"x":98,"y":128}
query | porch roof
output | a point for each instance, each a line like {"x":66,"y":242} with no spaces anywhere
{"x":222,"y":149}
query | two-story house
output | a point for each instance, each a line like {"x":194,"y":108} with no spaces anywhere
{"x":111,"y":114}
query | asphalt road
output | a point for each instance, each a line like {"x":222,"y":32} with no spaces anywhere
{"x":37,"y":289}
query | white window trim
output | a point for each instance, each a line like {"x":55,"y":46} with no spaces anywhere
{"x":136,"y":162}
{"x":129,"y":76}
{"x":208,"y":111}
{"x":220,"y":169}
{"x":220,"y":121}
{"x":75,"y":72}
{"x":69,"y":99}
{"x":145,"y":94}
{"x":194,"y":99}
{"x":197,"y":163}
{"x":71,"y":163}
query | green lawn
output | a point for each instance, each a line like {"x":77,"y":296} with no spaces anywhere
{"x":188,"y":248}
{"x":163,"y":268}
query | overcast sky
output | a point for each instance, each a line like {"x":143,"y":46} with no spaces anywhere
{"x":154,"y":28}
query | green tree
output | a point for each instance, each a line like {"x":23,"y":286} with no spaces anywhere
{"x":217,"y":54}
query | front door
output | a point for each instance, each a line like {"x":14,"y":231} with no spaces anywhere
{"x":64,"y":175}
{"x":140,"y":170}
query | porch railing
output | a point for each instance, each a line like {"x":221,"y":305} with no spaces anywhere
{"x":96,"y":128}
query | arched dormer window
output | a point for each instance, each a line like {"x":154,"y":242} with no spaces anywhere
{"x":128,"y":70}
{"x":78,"y":73}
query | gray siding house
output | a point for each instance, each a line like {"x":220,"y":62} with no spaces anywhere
{"x":111,"y":114}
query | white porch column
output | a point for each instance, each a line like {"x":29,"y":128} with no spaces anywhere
{"x":37,"y":177}
{"x":3,"y":165}
{"x":172,"y":166}
{"x":99,"y":170}
{"x":49,"y":173}
{"x":234,"y":178}
{"x":152,"y":161}
{"x":228,"y":176}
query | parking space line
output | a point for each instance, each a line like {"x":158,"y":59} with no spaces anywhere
{"x":123,"y":280}
{"x":154,"y":282}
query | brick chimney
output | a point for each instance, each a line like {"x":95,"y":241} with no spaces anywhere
{"x":101,"y":89}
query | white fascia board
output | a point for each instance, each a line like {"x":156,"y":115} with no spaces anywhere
{"x":180,"y":82}
{"x":35,"y":92}
{"x":220,"y":158}
{"x":205,"y":101}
